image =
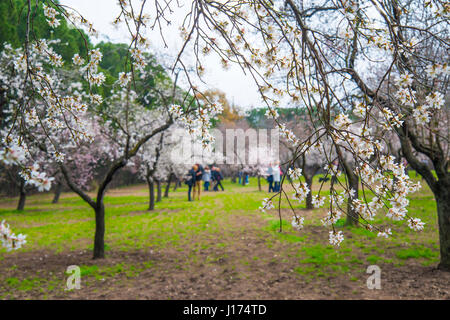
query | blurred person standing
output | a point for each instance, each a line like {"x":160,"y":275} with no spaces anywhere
{"x":276,"y":177}
{"x":198,"y":180}
{"x":190,"y":181}
{"x":206,"y":178}
{"x":218,"y":177}
{"x":270,"y":177}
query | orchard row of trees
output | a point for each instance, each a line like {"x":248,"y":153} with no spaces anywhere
{"x":64,"y":114}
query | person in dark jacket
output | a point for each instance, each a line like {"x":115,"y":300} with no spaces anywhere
{"x":246,"y":175}
{"x":190,"y":181}
{"x":270,"y":178}
{"x":218,"y":177}
{"x":198,"y":180}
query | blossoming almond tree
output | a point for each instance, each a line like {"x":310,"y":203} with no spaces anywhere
{"x":155,"y":162}
{"x":307,"y":163}
{"x":9,"y":240}
{"x":45,"y":142}
{"x":37,"y":64}
{"x":149,"y":163}
{"x":127,"y":128}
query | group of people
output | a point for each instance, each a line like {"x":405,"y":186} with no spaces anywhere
{"x":274,"y":174}
{"x":213,"y":176}
{"x":197,"y":174}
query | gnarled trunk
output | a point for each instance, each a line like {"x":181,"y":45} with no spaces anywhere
{"x":159,"y":191}
{"x":99,"y":239}
{"x":98,"y":205}
{"x":309,"y":180}
{"x":21,"y":204}
{"x":166,"y":191}
{"x":23,"y":196}
{"x":352,"y":215}
{"x":151,"y":190}
{"x":443,"y":210}
{"x":58,"y":190}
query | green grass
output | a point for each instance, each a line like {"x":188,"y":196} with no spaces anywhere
{"x":102,"y":272}
{"x":416,"y":253}
{"x":29,"y":284}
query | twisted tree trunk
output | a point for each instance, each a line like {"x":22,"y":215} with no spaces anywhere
{"x":308,"y":172}
{"x":166,"y":191}
{"x":99,"y":238}
{"x":151,"y":190}
{"x":23,"y":196}
{"x":309,"y":180}
{"x":58,"y":190}
{"x":159,"y":191}
{"x":352,"y":215}
{"x":443,"y":211}
{"x":177,"y":182}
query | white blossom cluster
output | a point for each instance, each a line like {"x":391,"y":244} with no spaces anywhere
{"x":50,"y":13}
{"x":267,"y":204}
{"x":301,"y":190}
{"x":385,"y":178}
{"x":12,"y":154}
{"x":56,"y":111}
{"x":9,"y":240}
{"x":198,"y":121}
{"x":90,"y":69}
{"x":72,"y":16}
{"x":385,"y":234}
{"x":33,"y":177}
{"x":336,"y":238}
{"x":422,"y":111}
{"x":318,"y":201}
{"x":136,"y":24}
{"x":124,"y":78}
{"x":295,"y":173}
{"x":297,"y":222}
{"x":332,"y":217}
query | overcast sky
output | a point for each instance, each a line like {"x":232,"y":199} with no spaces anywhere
{"x":239,"y":89}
